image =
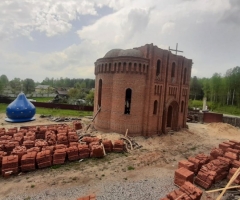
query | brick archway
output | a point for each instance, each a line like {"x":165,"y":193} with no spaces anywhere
{"x":170,"y":117}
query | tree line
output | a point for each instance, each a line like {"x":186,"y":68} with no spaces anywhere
{"x":77,"y":88}
{"x":219,"y":89}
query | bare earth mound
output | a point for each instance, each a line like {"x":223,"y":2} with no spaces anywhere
{"x":145,"y":173}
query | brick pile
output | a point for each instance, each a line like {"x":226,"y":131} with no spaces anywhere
{"x":89,"y":140}
{"x":77,"y":125}
{"x":9,"y":164}
{"x":50,"y":137}
{"x":108,"y":146}
{"x":72,"y":136}
{"x":182,"y":175}
{"x":187,"y":191}
{"x":44,"y":146}
{"x":231,"y":173}
{"x":40,"y":133}
{"x":90,"y":197}
{"x":62,"y":138}
{"x":96,"y":150}
{"x":213,"y":172}
{"x":28,"y":161}
{"x":44,"y":159}
{"x":118,"y":146}
{"x":19,"y":151}
{"x":84,"y":151}
{"x":59,"y":156}
{"x":72,"y":153}
{"x":2,"y":154}
{"x":40,"y":143}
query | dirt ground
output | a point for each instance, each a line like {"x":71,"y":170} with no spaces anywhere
{"x":158,"y":152}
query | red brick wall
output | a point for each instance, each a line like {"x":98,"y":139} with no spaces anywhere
{"x":146,"y":88}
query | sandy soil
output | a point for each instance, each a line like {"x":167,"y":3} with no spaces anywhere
{"x":158,"y":153}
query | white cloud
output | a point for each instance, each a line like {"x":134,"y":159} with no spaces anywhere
{"x":193,"y":24}
{"x":168,"y":27}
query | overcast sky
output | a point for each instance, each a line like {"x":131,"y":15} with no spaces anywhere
{"x":63,"y":38}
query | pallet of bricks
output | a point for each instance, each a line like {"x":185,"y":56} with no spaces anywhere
{"x":206,"y":170}
{"x":35,"y":147}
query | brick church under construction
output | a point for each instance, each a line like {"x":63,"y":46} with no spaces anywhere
{"x":144,"y":90}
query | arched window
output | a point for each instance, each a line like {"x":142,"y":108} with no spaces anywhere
{"x":119,"y":67}
{"x":128,"y":97}
{"x":124,"y":67}
{"x":99,"y":93}
{"x":105,"y":70}
{"x":173,"y":70}
{"x":184,"y":76}
{"x":155,"y":89}
{"x":182,"y":105}
{"x":158,"y":67}
{"x":129,"y":67}
{"x":155,"y":106}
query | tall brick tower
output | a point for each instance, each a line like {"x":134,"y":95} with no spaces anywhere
{"x":144,"y":90}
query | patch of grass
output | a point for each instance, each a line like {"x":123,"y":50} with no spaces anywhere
{"x":74,"y":178}
{"x":131,"y":168}
{"x":42,"y":99}
{"x":54,"y":112}
{"x":27,"y":198}
{"x":63,"y":113}
{"x":125,"y":179}
{"x":193,"y":148}
{"x":32,"y":186}
{"x":56,"y":166}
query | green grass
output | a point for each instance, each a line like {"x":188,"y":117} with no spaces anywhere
{"x":130,"y":168}
{"x":42,"y":99}
{"x":54,"y":112}
{"x":232,"y":110}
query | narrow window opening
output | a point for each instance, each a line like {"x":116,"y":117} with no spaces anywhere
{"x":182,"y":105}
{"x":158,"y":68}
{"x":128,"y":97}
{"x":169,"y":117}
{"x":184,"y":76}
{"x":109,"y":67}
{"x":129,"y":67}
{"x":155,"y":105}
{"x":173,"y":70}
{"x":99,"y":93}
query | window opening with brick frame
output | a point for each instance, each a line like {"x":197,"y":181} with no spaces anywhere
{"x":182,"y":105}
{"x":99,"y":93}
{"x":173,"y":71}
{"x":184,"y":76}
{"x":155,"y":106}
{"x":128,"y":97}
{"x":169,"y":117}
{"x":158,"y":69}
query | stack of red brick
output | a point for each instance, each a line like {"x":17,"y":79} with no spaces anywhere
{"x":43,"y":146}
{"x":59,"y":155}
{"x":90,"y":197}
{"x":210,"y":169}
{"x":187,"y":191}
{"x":118,"y":146}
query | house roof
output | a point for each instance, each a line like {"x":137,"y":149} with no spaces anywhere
{"x":42,"y":87}
{"x":62,"y":92}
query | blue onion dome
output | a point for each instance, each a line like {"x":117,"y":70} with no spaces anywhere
{"x":20,"y":110}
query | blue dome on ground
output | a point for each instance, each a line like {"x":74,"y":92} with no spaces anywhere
{"x":20,"y":110}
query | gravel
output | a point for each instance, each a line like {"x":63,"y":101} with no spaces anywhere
{"x":150,"y":189}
